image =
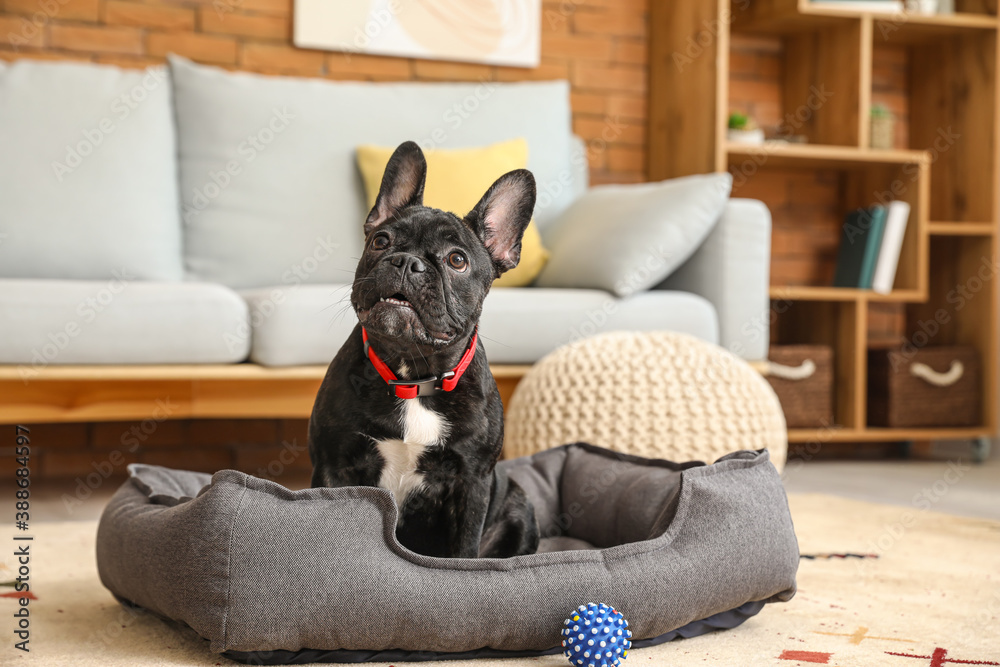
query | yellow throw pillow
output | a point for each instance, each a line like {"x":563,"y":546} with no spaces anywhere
{"x":456,"y":181}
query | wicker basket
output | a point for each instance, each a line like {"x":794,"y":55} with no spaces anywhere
{"x":936,"y":386}
{"x":802,"y":377}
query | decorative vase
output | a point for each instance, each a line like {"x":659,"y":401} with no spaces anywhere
{"x":745,"y":136}
{"x":882,"y":131}
{"x":922,"y":6}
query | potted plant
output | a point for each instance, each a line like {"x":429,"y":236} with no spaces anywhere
{"x":883,"y":127}
{"x":742,"y":129}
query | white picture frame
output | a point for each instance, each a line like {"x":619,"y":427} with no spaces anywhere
{"x":495,"y":32}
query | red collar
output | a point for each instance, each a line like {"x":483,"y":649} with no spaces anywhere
{"x":427,"y":386}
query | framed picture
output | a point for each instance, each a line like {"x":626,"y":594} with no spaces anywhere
{"x":497,"y":32}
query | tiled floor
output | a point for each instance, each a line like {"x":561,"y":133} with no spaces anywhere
{"x":951,"y":485}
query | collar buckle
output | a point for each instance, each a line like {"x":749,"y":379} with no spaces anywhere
{"x":425,"y":386}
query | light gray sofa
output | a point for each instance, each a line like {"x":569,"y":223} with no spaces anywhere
{"x":200,"y":216}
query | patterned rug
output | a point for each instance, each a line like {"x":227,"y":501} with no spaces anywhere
{"x":920,"y":589}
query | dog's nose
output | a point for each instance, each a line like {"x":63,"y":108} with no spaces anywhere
{"x":412,"y":264}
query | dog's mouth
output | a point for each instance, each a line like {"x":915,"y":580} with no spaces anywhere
{"x":397,"y":299}
{"x":395,"y":316}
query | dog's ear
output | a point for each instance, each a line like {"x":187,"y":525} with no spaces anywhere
{"x":402,"y":184}
{"x":502,"y":215}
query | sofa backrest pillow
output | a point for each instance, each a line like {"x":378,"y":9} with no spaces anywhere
{"x":88,"y":173}
{"x":627,"y":238}
{"x":269,"y":187}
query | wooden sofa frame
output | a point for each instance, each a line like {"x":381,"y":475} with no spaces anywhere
{"x":123,"y":393}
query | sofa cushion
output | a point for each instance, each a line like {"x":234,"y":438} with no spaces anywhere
{"x":627,"y":238}
{"x":119,"y":321}
{"x":303,"y":324}
{"x":307,"y":324}
{"x":269,"y":185}
{"x":88,"y":173}
{"x":523,"y":325}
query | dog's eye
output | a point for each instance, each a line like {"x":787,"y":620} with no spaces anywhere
{"x":457,"y":261}
{"x":380,"y":242}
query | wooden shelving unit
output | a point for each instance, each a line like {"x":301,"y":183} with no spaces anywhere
{"x":948,"y":172}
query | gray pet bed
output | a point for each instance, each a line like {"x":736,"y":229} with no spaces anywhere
{"x":275,"y":576}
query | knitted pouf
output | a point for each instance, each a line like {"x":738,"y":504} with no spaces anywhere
{"x":659,"y":395}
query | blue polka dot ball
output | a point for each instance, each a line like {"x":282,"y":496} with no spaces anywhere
{"x":596,"y":635}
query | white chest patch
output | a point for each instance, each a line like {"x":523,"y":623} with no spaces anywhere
{"x":422,"y":428}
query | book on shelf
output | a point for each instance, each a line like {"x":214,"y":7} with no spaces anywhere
{"x":897,"y":215}
{"x":860,"y":242}
{"x":878,"y":6}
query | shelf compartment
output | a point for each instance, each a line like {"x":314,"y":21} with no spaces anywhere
{"x":814,"y":91}
{"x":841,"y":325}
{"x":809,"y":205}
{"x":953,"y":113}
{"x":961,"y":307}
{"x":943,"y":95}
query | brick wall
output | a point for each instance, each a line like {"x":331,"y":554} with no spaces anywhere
{"x":598,"y":45}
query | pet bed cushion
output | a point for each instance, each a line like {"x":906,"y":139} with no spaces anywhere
{"x":270,"y":575}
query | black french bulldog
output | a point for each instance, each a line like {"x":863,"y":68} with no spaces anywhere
{"x":430,"y":429}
